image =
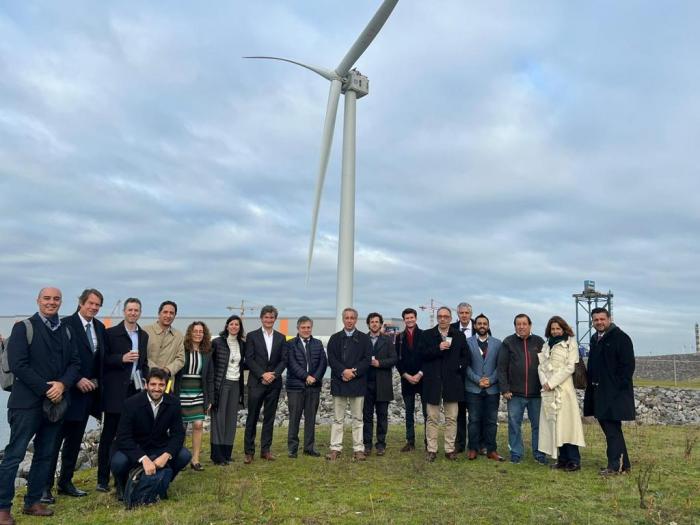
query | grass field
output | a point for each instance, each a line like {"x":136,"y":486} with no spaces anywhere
{"x":403,"y":488}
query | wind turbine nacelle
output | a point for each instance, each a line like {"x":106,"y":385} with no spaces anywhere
{"x":356,"y":82}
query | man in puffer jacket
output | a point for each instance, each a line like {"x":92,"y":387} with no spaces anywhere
{"x":520,"y":386}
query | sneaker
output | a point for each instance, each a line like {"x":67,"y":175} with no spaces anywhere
{"x":515,"y":459}
{"x":333,"y":455}
{"x":542,"y":460}
{"x":359,"y":456}
{"x":430,"y":456}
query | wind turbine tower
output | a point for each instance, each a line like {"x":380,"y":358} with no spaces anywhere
{"x":353,"y":85}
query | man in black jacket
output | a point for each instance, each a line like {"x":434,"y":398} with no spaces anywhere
{"x":465,"y":325}
{"x":123,"y":370}
{"x":610,"y":392}
{"x":409,"y":366}
{"x":349,"y":354}
{"x":306,"y":365}
{"x":150,"y":432}
{"x":45,"y":365}
{"x":266,"y":360}
{"x":380,"y":388}
{"x":445,"y":358}
{"x":520,"y":386}
{"x":89,"y":335}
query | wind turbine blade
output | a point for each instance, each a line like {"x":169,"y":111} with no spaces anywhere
{"x":326,"y":141}
{"x":366,"y":37}
{"x":325,"y":73}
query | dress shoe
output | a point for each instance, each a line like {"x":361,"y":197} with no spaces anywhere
{"x":359,"y":456}
{"x":495,"y":456}
{"x":408,"y":447}
{"x":292,"y":455}
{"x":248,"y":459}
{"x":47,"y":498}
{"x":430,"y":456}
{"x":6,"y":517}
{"x":197,"y":467}
{"x":613,"y":472}
{"x":368,"y":451}
{"x":333,"y":455}
{"x":102,"y":487}
{"x":452,"y":456}
{"x":558,"y":465}
{"x":312,"y":453}
{"x":572,"y":467}
{"x":381,"y":451}
{"x":267,"y":456}
{"x":68,"y":489}
{"x":472,"y":455}
{"x":38,"y":509}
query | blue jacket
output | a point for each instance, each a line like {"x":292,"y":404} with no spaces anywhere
{"x":297,"y":366}
{"x":480,"y":367}
{"x":50,"y":357}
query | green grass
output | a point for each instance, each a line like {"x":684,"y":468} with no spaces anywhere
{"x":668,"y":383}
{"x":403,"y":488}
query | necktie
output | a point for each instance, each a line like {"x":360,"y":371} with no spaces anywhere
{"x":88,"y":333}
{"x":308,"y":355}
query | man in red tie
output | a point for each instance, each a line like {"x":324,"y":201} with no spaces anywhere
{"x":409,"y":366}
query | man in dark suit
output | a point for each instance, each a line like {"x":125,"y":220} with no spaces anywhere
{"x":45,"y":365}
{"x":380,"y":388}
{"x":123,"y":369}
{"x":306,"y":366}
{"x":150,"y":432}
{"x":89,"y":335}
{"x":265,"y":355}
{"x":349,"y":355}
{"x":409,"y":366}
{"x":445,"y":359}
{"x":465,"y":325}
{"x":610,"y":392}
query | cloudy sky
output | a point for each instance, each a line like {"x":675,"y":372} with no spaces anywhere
{"x":507,"y":151}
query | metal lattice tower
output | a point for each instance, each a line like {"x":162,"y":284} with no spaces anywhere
{"x":585,"y":302}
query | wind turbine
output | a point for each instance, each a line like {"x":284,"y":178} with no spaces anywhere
{"x":353,"y":85}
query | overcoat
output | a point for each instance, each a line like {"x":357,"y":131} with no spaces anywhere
{"x":349,"y":352}
{"x":443,"y":370}
{"x":385,"y":353}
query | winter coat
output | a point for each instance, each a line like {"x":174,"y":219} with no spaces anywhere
{"x":381,"y":376}
{"x":517,"y":365}
{"x":298,"y":367}
{"x":349,"y":352}
{"x":215,"y":371}
{"x":443,"y":370}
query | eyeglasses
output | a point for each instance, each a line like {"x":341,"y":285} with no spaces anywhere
{"x":444,"y":316}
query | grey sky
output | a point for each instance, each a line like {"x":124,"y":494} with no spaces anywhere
{"x":506,"y":152}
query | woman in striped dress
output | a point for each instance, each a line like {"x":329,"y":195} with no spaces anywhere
{"x":197,"y":349}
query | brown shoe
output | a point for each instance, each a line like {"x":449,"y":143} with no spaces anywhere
{"x":408,"y":447}
{"x":430,"y":456}
{"x":267,"y":456}
{"x":495,"y":456}
{"x":248,"y":459}
{"x":472,"y":455}
{"x":38,"y":509}
{"x":452,"y":456}
{"x":6,"y":518}
{"x":333,"y":455}
{"x":358,"y":456}
{"x":381,"y":451}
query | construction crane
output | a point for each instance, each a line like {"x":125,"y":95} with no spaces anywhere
{"x":243,"y":308}
{"x":433,"y":307}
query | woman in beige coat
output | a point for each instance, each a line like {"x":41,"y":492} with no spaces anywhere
{"x":561,"y":431}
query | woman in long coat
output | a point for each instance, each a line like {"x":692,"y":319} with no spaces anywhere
{"x":561,"y":431}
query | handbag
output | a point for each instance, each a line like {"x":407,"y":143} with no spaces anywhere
{"x":580,"y":376}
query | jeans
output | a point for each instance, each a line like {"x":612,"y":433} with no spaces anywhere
{"x":516,"y":411}
{"x":121,"y":465}
{"x":569,"y":453}
{"x":26,"y":423}
{"x":409,"y":402}
{"x":483,"y":420}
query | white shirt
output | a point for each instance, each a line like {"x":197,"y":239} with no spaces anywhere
{"x":87,"y":323}
{"x":268,"y":341}
{"x":233,"y":370}
{"x":466,"y":330}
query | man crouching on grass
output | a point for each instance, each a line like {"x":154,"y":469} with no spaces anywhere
{"x":150,"y":432}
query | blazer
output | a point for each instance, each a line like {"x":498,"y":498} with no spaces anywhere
{"x":83,"y":405}
{"x":443,"y":370}
{"x":258,"y":362}
{"x":299,"y":367}
{"x":409,"y":361}
{"x":140,"y":434}
{"x":611,"y":365}
{"x":215,"y":372}
{"x":349,"y":352}
{"x":381,"y":376}
{"x":480,"y":367}
{"x":116,"y":375}
{"x":52,"y":356}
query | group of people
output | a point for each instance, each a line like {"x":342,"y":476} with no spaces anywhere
{"x":146,"y":384}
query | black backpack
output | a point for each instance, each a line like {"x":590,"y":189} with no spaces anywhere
{"x":144,"y":490}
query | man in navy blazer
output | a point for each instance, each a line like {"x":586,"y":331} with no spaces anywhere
{"x":265,"y":355}
{"x":89,"y":335}
{"x":483,"y":396}
{"x":150,"y":432}
{"x":44,"y":369}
